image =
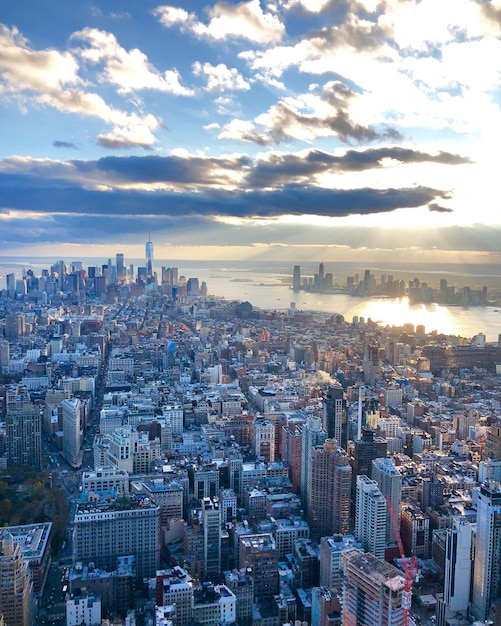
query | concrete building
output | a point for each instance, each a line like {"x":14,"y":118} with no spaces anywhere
{"x":329,"y":490}
{"x":107,"y":529}
{"x":214,"y":605}
{"x":72,"y":431}
{"x":211,"y":524}
{"x":23,"y":425}
{"x":388,"y":477}
{"x":258,"y":552}
{"x":33,"y":540}
{"x":83,"y":610}
{"x":241,"y":583}
{"x":370,"y":516}
{"x":335,"y":418}
{"x":378,"y":583}
{"x":174,"y":587}
{"x":15,"y":588}
{"x":312,"y":435}
{"x":486,"y":570}
{"x":106,"y":480}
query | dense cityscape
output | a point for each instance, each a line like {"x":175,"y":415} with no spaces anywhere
{"x":169,"y":457}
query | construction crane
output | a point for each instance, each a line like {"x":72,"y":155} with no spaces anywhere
{"x":410,"y":569}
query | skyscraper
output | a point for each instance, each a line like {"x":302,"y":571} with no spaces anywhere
{"x":335,"y":419}
{"x":15,"y":588}
{"x":23,"y":424}
{"x":486,"y":569}
{"x":120,"y":266}
{"x":329,"y":490}
{"x":388,"y":477}
{"x":458,"y":570}
{"x":313,"y":435}
{"x":211,"y":523}
{"x":370,"y":518}
{"x":149,"y":258}
{"x":296,"y":278}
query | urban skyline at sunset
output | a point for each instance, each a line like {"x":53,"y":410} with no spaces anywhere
{"x":274,"y":130}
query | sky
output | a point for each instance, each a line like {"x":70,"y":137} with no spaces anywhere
{"x":302,"y":130}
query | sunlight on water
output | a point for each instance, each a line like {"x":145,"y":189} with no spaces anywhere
{"x":398,"y":312}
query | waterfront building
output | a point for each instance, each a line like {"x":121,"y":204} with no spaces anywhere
{"x":149,"y":259}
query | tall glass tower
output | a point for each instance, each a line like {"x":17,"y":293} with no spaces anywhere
{"x":149,"y":258}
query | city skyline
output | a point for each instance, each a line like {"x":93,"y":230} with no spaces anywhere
{"x":306,"y":130}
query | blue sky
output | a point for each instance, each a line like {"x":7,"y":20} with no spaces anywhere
{"x":288,"y":129}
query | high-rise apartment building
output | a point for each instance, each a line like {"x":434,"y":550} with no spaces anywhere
{"x":370,"y":517}
{"x":329,"y":490}
{"x":312,"y":435}
{"x":335,"y":418}
{"x":211,"y":524}
{"x":458,"y":571}
{"x":296,"y":278}
{"x":486,"y":569}
{"x":372,"y":590}
{"x":292,"y":440}
{"x":15,"y":587}
{"x":23,"y":425}
{"x":389,"y":479}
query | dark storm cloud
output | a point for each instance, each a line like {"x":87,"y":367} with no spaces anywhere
{"x":25,"y":194}
{"x":280,"y":169}
{"x":63,"y":144}
{"x":156,"y":169}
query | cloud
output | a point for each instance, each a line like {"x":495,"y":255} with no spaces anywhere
{"x":51,"y":78}
{"x":245,"y":20}
{"x":307,"y":118}
{"x":22,"y":68}
{"x":221,"y":78}
{"x":276,"y":169}
{"x":64,"y":144}
{"x":439,"y":209}
{"x":128,"y":70}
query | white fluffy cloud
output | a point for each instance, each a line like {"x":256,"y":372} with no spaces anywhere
{"x":220,"y":77}
{"x":128,"y":70}
{"x":245,"y":20}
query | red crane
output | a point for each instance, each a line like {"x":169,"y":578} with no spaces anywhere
{"x":410,"y":569}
